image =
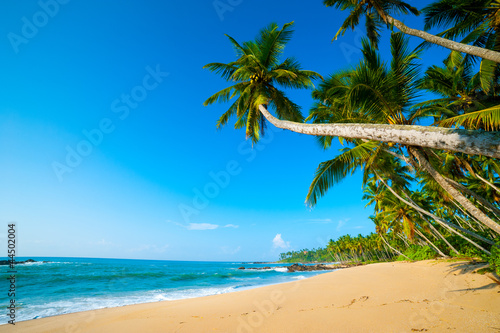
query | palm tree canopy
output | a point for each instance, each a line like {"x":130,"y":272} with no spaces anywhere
{"x":257,"y":73}
{"x":372,"y":92}
{"x":467,"y":99}
{"x":375,"y":12}
{"x":464,"y":17}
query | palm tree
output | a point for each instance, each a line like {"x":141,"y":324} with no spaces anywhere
{"x":439,"y":211}
{"x":373,"y":93}
{"x":382,"y":226}
{"x":473,"y":142}
{"x":379,"y":12}
{"x":466,"y":98}
{"x":256,"y":73}
{"x":475,"y":20}
{"x":369,"y":93}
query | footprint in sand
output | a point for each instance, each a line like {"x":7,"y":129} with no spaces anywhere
{"x":405,"y":301}
{"x":361,"y":299}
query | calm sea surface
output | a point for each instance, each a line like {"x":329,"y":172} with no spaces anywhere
{"x":66,"y":285}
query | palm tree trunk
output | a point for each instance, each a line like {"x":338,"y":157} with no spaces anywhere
{"x":393,"y":249}
{"x":479,"y":198}
{"x":465,"y":141}
{"x":444,"y":223}
{"x":455,"y":194}
{"x":444,"y":239}
{"x":488,"y":183}
{"x":438,"y":233}
{"x":447,"y":43}
{"x":465,"y":214}
{"x":430,"y":243}
{"x":403,"y":239}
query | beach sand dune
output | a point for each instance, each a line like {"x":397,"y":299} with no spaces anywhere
{"x":426,"y":296}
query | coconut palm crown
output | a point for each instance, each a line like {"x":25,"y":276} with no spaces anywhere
{"x":375,"y":11}
{"x":256,"y":73}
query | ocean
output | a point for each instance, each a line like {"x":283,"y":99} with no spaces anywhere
{"x":66,"y":285}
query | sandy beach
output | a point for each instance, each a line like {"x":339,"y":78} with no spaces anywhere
{"x":426,"y":296}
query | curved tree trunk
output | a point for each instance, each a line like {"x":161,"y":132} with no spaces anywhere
{"x":435,"y":230}
{"x":464,"y":141}
{"x":444,"y":42}
{"x":393,"y":249}
{"x":442,"y":237}
{"x":457,"y":217}
{"x":444,"y":223}
{"x":437,"y":250}
{"x":488,"y":183}
{"x":479,"y":198}
{"x":455,"y":194}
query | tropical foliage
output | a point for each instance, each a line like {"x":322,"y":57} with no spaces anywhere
{"x":427,"y":201}
{"x":257,"y":74}
{"x":344,"y":249}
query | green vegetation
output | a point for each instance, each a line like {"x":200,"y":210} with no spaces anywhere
{"x":345,"y":249}
{"x":494,"y":259}
{"x":306,"y":255}
{"x":257,"y":71}
{"x":416,"y":252}
{"x":434,"y":193}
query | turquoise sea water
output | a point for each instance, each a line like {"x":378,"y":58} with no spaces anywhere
{"x":66,"y":285}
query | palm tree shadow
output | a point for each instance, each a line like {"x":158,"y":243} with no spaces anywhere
{"x":471,"y":268}
{"x":492,"y":285}
{"x":467,"y":267}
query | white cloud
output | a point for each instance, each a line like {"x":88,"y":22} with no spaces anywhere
{"x":231,"y":226}
{"x":201,"y":226}
{"x":278,"y":242}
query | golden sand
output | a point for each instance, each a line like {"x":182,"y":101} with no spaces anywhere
{"x":426,"y":296}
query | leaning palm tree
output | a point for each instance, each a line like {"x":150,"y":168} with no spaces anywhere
{"x":369,"y":93}
{"x":476,"y":21}
{"x":375,"y":12}
{"x":372,"y":93}
{"x":257,"y":73}
{"x":379,"y":12}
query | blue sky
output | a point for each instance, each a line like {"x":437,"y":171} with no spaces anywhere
{"x":121,"y":84}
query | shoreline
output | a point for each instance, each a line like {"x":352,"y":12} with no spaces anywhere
{"x":149,"y":283}
{"x":234,"y":289}
{"x":430,"y":295}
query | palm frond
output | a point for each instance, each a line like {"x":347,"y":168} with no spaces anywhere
{"x":227,"y":115}
{"x":350,"y":22}
{"x":400,"y":7}
{"x":224,"y":70}
{"x":283,"y":106}
{"x":487,"y":74}
{"x":373,"y":27}
{"x":487,"y":119}
{"x":334,"y":171}
{"x":240,"y":51}
{"x":272,"y":41}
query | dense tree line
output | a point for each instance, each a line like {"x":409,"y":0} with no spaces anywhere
{"x":344,"y":249}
